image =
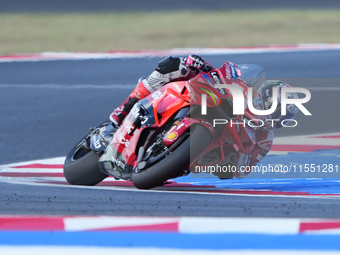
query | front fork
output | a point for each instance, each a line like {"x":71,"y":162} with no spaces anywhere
{"x":100,"y":137}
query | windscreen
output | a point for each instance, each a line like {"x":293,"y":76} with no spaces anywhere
{"x":253,"y":75}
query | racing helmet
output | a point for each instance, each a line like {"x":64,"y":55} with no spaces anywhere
{"x":266,"y":94}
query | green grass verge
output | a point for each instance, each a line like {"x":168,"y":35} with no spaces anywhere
{"x":102,"y":32}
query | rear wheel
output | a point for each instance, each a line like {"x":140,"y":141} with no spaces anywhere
{"x":173,"y":164}
{"x":81,"y":166}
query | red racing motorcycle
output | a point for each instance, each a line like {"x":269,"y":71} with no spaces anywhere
{"x":166,"y":134}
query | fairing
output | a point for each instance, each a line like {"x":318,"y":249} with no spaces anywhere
{"x":155,"y":112}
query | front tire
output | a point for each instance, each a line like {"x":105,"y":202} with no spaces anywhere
{"x":172,"y":165}
{"x":81,"y":167}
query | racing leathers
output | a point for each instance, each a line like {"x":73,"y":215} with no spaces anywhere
{"x":182,"y":69}
{"x":169,"y":69}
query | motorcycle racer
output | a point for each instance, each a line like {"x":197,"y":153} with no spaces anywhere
{"x":185,"y":68}
{"x":169,"y":69}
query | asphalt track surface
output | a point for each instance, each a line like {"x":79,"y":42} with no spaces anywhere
{"x":54,"y":200}
{"x":46,"y":107}
{"x":12,"y":6}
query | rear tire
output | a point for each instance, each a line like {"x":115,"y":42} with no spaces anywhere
{"x":172,"y":165}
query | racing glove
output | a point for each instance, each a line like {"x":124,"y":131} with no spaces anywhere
{"x":196,"y":64}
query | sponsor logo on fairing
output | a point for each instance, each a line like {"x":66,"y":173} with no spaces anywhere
{"x":228,"y":72}
{"x":97,"y":144}
{"x":120,"y":165}
{"x":216,"y":77}
{"x":222,"y":92}
{"x":172,"y":136}
{"x":123,"y":140}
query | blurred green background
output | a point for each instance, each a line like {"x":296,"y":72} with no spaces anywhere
{"x":129,"y":31}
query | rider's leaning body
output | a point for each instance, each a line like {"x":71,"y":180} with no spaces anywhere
{"x":185,"y":68}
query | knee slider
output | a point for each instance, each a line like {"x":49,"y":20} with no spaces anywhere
{"x":168,"y":65}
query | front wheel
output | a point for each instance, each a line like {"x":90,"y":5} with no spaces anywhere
{"x":81,"y":166}
{"x":175,"y":162}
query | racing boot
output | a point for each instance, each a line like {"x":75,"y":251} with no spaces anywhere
{"x":119,"y":114}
